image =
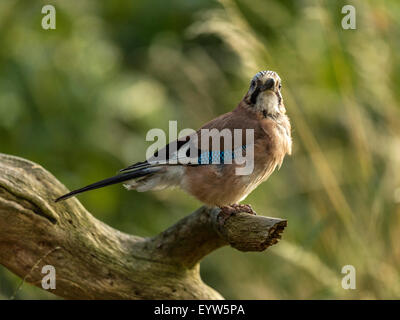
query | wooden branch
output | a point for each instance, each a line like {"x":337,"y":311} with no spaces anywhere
{"x":93,"y":260}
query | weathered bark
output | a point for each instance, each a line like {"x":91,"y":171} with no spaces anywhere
{"x":95,"y":261}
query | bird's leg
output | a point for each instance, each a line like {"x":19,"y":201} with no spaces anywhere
{"x":228,"y":211}
{"x":243,"y":208}
{"x":225,"y":213}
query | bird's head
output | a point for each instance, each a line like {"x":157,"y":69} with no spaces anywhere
{"x":264,"y":94}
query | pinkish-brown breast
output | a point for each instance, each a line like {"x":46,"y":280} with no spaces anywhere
{"x":219,"y":185}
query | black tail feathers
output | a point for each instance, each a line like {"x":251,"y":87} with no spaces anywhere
{"x":109,"y":181}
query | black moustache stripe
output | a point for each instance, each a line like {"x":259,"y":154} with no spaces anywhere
{"x":254,"y":95}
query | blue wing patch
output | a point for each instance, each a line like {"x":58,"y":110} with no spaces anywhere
{"x":219,"y":157}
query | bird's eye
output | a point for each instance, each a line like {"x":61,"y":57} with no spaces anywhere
{"x":280,"y":86}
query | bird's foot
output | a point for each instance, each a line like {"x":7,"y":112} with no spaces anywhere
{"x":244,"y":208}
{"x":225,"y":213}
{"x":229,"y":211}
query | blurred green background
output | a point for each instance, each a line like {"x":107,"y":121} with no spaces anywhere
{"x":80,"y":99}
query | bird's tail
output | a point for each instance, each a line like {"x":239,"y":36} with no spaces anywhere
{"x":109,"y":181}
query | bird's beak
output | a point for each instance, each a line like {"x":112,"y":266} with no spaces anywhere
{"x":269,"y":84}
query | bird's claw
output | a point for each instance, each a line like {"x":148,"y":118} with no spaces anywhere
{"x":229,"y":211}
{"x":225,"y":213}
{"x":244,"y":208}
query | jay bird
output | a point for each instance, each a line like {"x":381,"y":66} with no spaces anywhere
{"x":216,"y":183}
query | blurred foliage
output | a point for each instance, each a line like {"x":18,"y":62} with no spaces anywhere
{"x":80,"y":99}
